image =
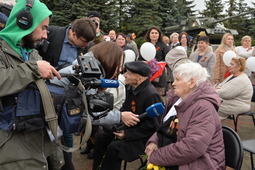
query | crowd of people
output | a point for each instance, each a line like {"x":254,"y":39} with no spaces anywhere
{"x":197,"y":88}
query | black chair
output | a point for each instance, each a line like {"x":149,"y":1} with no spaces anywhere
{"x":249,"y":146}
{"x":235,"y":118}
{"x":233,"y":148}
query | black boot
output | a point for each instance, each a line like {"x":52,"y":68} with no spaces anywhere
{"x":91,"y":155}
{"x":88,"y":148}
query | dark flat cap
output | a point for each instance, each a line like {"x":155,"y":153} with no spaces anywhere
{"x":92,"y":14}
{"x":138,"y":67}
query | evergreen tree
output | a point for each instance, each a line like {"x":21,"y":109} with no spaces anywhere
{"x":214,"y":9}
{"x":242,"y":6}
{"x":144,"y":14}
{"x":110,"y":17}
{"x":108,"y":10}
{"x":231,"y":11}
{"x":185,"y":8}
{"x":248,"y":23}
{"x":232,"y":7}
{"x":63,"y":11}
{"x":168,"y":11}
{"x":239,"y":23}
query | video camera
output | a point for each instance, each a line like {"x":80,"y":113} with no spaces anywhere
{"x":95,"y":21}
{"x":91,"y":73}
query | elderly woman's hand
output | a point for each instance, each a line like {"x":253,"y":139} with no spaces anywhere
{"x":150,"y":148}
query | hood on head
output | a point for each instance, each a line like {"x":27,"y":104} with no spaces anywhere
{"x":12,"y":33}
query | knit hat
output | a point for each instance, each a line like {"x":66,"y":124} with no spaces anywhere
{"x":174,"y":55}
{"x":92,"y":14}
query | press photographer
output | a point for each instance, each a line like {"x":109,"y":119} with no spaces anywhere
{"x":95,"y":16}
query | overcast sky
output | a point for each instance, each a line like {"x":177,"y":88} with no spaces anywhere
{"x":200,"y":4}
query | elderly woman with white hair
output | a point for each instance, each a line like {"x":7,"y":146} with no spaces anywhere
{"x":190,"y":136}
{"x":245,"y":50}
{"x":174,"y":40}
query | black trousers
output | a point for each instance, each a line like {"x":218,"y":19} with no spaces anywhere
{"x":106,"y":152}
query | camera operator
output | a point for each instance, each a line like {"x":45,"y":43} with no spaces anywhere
{"x":25,"y":143}
{"x":96,"y":17}
{"x":62,"y":47}
{"x":129,"y":143}
{"x":111,"y":57}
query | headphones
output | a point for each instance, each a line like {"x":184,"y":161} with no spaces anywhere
{"x":24,"y":18}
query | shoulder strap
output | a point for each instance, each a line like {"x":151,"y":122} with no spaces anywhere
{"x":50,"y":114}
{"x":52,"y":118}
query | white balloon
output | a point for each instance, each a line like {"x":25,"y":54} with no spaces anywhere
{"x":227,"y":57}
{"x":129,"y":56}
{"x":148,"y":51}
{"x":250,"y":63}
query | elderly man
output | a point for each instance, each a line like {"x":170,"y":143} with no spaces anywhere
{"x":129,"y":143}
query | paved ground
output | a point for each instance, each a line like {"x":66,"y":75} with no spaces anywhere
{"x":246,"y":130}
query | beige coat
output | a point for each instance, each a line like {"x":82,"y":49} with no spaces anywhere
{"x":236,"y":95}
{"x":220,"y":68}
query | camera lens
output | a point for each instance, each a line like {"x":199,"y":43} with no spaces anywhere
{"x":95,"y":21}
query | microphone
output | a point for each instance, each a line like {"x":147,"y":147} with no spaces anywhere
{"x":93,"y":82}
{"x":103,"y":83}
{"x":152,"y":112}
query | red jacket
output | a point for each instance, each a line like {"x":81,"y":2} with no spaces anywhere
{"x":199,"y":143}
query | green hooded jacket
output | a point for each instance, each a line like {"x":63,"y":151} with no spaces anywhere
{"x":19,"y":73}
{"x":12,"y":34}
{"x":23,"y":150}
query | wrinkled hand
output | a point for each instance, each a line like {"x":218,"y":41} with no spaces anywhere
{"x":129,"y":118}
{"x":120,"y":134}
{"x":150,"y":148}
{"x":46,"y":70}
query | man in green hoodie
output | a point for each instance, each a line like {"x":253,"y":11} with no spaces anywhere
{"x":24,"y":141}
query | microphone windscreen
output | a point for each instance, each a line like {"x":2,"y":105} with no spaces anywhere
{"x":155,"y":110}
{"x":108,"y":83}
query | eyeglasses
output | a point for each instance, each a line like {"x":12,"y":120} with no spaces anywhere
{"x":83,"y":41}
